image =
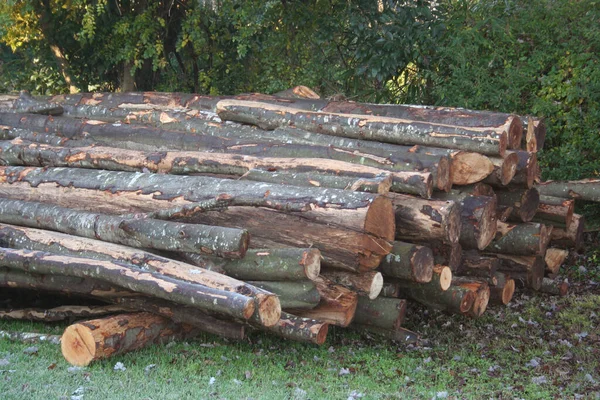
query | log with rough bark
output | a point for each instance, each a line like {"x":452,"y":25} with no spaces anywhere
{"x":233,"y":304}
{"x":293,"y":294}
{"x":419,"y":219}
{"x":399,"y":335}
{"x":525,"y":239}
{"x":525,"y":270}
{"x":555,"y":209}
{"x":455,"y":299}
{"x":284,"y":264}
{"x":408,"y":261}
{"x":350,"y":228}
{"x":337,"y":305}
{"x":299,"y":329}
{"x":133,"y":232}
{"x":551,"y":286}
{"x":98,"y":339}
{"x":60,"y":313}
{"x":26,"y":103}
{"x":475,"y":265}
{"x":585,"y":189}
{"x":524,"y":203}
{"x":382,"y":312}
{"x":554,"y":258}
{"x":527,"y":170}
{"x":486,"y":140}
{"x":367,"y":284}
{"x":504,"y":169}
{"x":569,"y":236}
{"x":29,"y":337}
{"x":502,"y":292}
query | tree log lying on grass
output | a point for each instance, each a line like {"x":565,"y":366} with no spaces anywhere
{"x":382,"y":312}
{"x":299,"y":329}
{"x":367,"y":284}
{"x":551,"y":286}
{"x":408,"y":261}
{"x":502,"y":292}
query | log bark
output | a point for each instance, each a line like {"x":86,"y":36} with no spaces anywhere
{"x":555,"y":209}
{"x":524,"y":203}
{"x":292,"y":295}
{"x":527,"y":172}
{"x":525,"y":270}
{"x":382,"y":312}
{"x":585,"y":189}
{"x":502,"y":292}
{"x":390,"y":130}
{"x":504,"y":169}
{"x":300,"y":329}
{"x":228,"y":303}
{"x":418,"y":219}
{"x":285,"y":264}
{"x":99,"y":339}
{"x":133,"y":232}
{"x":554,"y":258}
{"x":525,"y":239}
{"x":350,"y":228}
{"x":570,"y":236}
{"x":26,"y":103}
{"x":551,"y":286}
{"x":408,"y":261}
{"x":400,"y":335}
{"x":456,"y":300}
{"x":367,"y":284}
{"x":478,"y":266}
{"x":390,"y":289}
{"x":337,"y":305}
{"x":29,"y":337}
{"x":60,"y":313}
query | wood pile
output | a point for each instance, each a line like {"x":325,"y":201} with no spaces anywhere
{"x":185,"y":213}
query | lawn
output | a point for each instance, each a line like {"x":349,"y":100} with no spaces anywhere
{"x":538,"y":347}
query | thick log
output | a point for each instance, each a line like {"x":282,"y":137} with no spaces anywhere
{"x":527,"y":172}
{"x":60,"y":313}
{"x":27,"y":135}
{"x":445,"y":254}
{"x":29,"y":337}
{"x":526,"y":270}
{"x":399,"y":335}
{"x":228,"y":303}
{"x":555,"y":209}
{"x":504,"y":169}
{"x":570,"y":236}
{"x":300,"y":329}
{"x":554,"y":258}
{"x":408,"y":261}
{"x":133,"y":232}
{"x":26,"y":103}
{"x":481,"y":291}
{"x":337,"y":305}
{"x":390,"y":130}
{"x":99,"y":339}
{"x":292,"y":295}
{"x":382,"y":312}
{"x":524,"y":203}
{"x":367,"y":284}
{"x":502,"y":292}
{"x":585,"y":189}
{"x":551,"y":286}
{"x":478,"y":266}
{"x":285,"y":264}
{"x":350,"y":228}
{"x":525,"y":239}
{"x":418,"y":219}
{"x":456,"y":300}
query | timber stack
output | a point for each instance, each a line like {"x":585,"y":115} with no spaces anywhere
{"x":286,"y":213}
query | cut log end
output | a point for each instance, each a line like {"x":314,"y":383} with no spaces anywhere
{"x":488,"y":227}
{"x":321,"y":333}
{"x":380,"y":219}
{"x":445,"y":276}
{"x":468,"y":168}
{"x":508,"y":168}
{"x":515,"y":133}
{"x":78,"y":345}
{"x":529,"y":204}
{"x":467,"y":302}
{"x":312,"y":263}
{"x":444,"y":174}
{"x":508,"y":291}
{"x":376,"y":286}
{"x":269,"y":309}
{"x":423,"y":258}
{"x":454,"y":224}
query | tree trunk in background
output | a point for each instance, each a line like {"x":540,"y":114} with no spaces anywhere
{"x":127,"y":79}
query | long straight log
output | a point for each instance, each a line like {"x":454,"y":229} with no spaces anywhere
{"x":504,"y":169}
{"x":133,"y":232}
{"x":350,"y":228}
{"x":555,"y":209}
{"x":300,"y":329}
{"x":526,"y":270}
{"x":367,"y":284}
{"x":585,"y":189}
{"x":26,"y":103}
{"x":570,"y":236}
{"x":98,"y":339}
{"x":418,"y":219}
{"x":525,"y":239}
{"x":228,"y":303}
{"x":337,"y":305}
{"x":382,"y":312}
{"x":292,"y":295}
{"x":524,"y":203}
{"x":502,"y":292}
{"x":60,"y":313}
{"x":408,"y":261}
{"x":391,"y":130}
{"x":554,"y":258}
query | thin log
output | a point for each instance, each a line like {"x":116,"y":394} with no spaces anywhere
{"x":382,"y":312}
{"x":554,"y":258}
{"x":525,"y":239}
{"x":502,"y":292}
{"x":524,"y":203}
{"x":337,"y":305}
{"x":555,"y":209}
{"x":525,"y":270}
{"x":292,"y":295}
{"x":350,"y":228}
{"x":390,"y":130}
{"x":29,"y":337}
{"x":504,"y":169}
{"x":133,"y":232}
{"x":585,"y":189}
{"x":228,"y":303}
{"x":300,"y":329}
{"x":367,"y":284}
{"x":408,"y":261}
{"x":99,"y":339}
{"x":60,"y":313}
{"x":551,"y":286}
{"x":399,"y":335}
{"x":418,"y":219}
{"x":570,"y":236}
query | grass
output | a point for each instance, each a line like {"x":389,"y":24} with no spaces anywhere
{"x":540,"y":347}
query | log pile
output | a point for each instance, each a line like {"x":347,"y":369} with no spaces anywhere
{"x":185,"y":213}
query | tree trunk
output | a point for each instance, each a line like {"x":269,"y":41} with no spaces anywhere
{"x":554,"y":258}
{"x":300,"y":329}
{"x":585,"y":189}
{"x":133,"y":232}
{"x":389,"y":130}
{"x":337,"y":305}
{"x":525,"y":239}
{"x":418,"y":219}
{"x":524,"y":203}
{"x":350,"y":228}
{"x":127,"y":78}
{"x":408,"y":261}
{"x":60,"y":313}
{"x":504,"y":170}
{"x":367,"y":284}
{"x":445,"y":254}
{"x":292,"y":295}
{"x":99,"y":339}
{"x":456,"y":300}
{"x":26,"y":103}
{"x":382,"y":312}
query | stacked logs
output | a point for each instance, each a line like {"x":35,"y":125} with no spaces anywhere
{"x":281,"y":213}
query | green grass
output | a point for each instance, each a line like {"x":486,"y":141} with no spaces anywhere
{"x":486,"y":358}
